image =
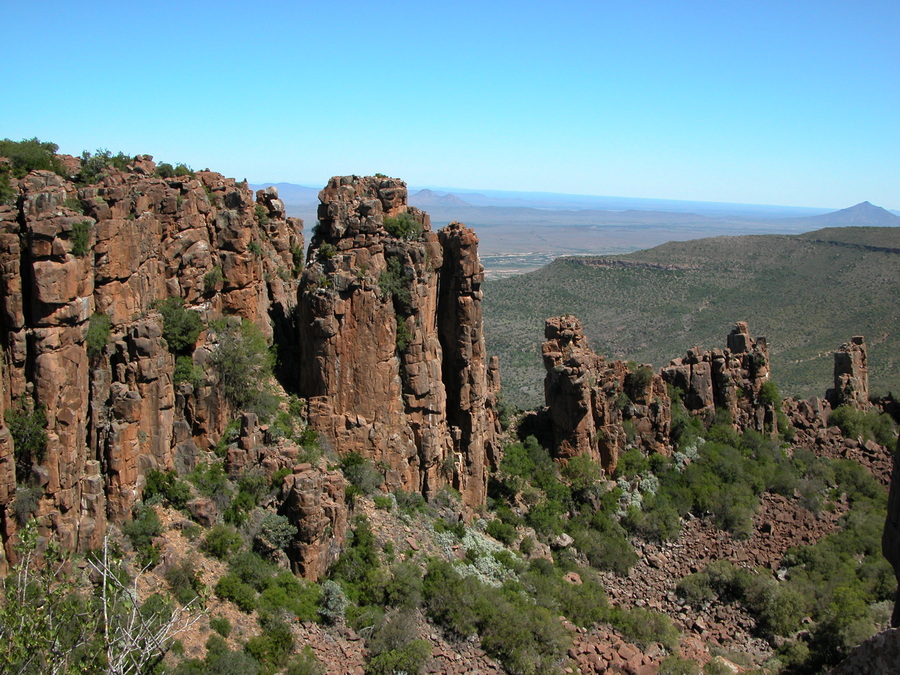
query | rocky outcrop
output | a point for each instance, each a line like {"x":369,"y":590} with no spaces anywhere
{"x":76,"y":259}
{"x":599,"y":408}
{"x":313,"y":501}
{"x":729,"y":379}
{"x":851,"y":375}
{"x":391,"y":344}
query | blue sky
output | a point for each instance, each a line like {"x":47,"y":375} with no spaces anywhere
{"x":792,"y":103}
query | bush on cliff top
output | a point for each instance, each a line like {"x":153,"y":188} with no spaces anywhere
{"x":30,"y":155}
{"x":403,"y":226}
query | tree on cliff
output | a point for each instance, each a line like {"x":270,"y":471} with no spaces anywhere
{"x":243,"y":363}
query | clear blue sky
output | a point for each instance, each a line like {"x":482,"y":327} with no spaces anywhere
{"x":782,"y":102}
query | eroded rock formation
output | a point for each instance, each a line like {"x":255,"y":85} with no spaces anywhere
{"x":730,"y":379}
{"x":392,"y":355}
{"x":600,"y":408}
{"x":111,"y":250}
{"x":597,"y":408}
{"x":851,"y":375}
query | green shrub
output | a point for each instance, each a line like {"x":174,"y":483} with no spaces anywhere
{"x":361,"y":473}
{"x":221,"y":541}
{"x":144,"y":526}
{"x":221,"y":625}
{"x":244,"y":365}
{"x":166,"y":170}
{"x":383,"y":502}
{"x":403,"y":226}
{"x":212,"y":279}
{"x":409,"y":502}
{"x":277,"y":530}
{"x":181,"y":326}
{"x":230,"y":587}
{"x":28,"y":428}
{"x":632,"y":463}
{"x":394,"y":282}
{"x":81,"y":238}
{"x":26,"y":503}
{"x":637,"y":379}
{"x":273,"y":648}
{"x":605,"y":545}
{"x":8,"y":193}
{"x":402,"y":336}
{"x":868,"y":426}
{"x":254,"y":482}
{"x":184,"y":581}
{"x":643,"y":627}
{"x":98,"y":334}
{"x":502,"y":532}
{"x":74,"y":204}
{"x":166,"y":486}
{"x":393,"y":647}
{"x":262,"y":215}
{"x":30,"y":155}
{"x":209,"y":479}
{"x":96,"y":166}
{"x":769,"y":395}
{"x":404,"y":588}
{"x":676,"y":665}
{"x":525,"y":637}
{"x":187,"y":371}
{"x":285,"y":592}
{"x":306,"y":663}
{"x":359,"y":568}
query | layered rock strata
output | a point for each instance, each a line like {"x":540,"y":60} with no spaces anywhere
{"x":110,"y":251}
{"x":391,"y":343}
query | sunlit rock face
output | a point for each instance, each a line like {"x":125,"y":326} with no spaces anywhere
{"x":391,"y":343}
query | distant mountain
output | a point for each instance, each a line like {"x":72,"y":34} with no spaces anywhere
{"x":427,"y":199}
{"x":861,"y":215}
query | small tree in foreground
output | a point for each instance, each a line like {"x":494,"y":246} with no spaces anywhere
{"x":53,"y":621}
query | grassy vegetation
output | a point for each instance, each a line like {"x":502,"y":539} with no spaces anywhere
{"x":807,"y":296}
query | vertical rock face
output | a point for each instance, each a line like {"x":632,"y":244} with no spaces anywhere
{"x":729,"y":379}
{"x":598,"y":408}
{"x":851,"y":375}
{"x":115,"y":248}
{"x":391,"y":344}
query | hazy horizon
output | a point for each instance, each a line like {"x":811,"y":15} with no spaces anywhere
{"x":792,"y":104}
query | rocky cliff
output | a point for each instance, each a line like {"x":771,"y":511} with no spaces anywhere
{"x":598,"y":407}
{"x":82,"y":270}
{"x":391,"y":345}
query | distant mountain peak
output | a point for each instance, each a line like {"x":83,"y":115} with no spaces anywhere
{"x":426,"y":198}
{"x":864,"y":214}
